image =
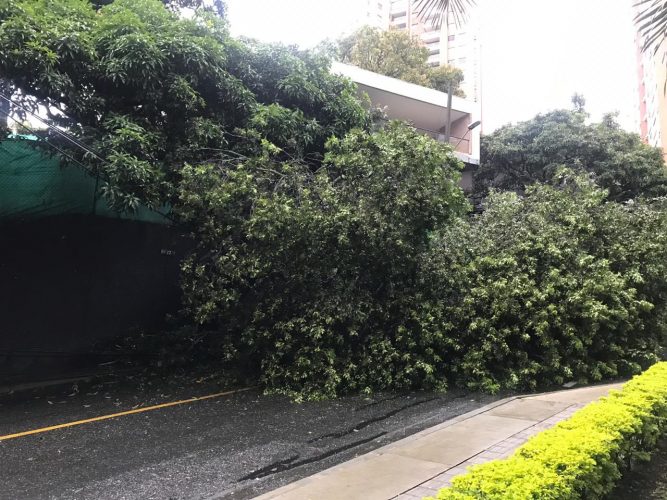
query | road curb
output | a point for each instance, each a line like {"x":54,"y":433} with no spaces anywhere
{"x":383,"y":449}
{"x":406,"y":441}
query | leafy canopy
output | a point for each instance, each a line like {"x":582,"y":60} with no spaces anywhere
{"x":515,"y":156}
{"x":149,"y":92}
{"x":329,"y":258}
{"x":556,"y":285}
{"x":219,"y":7}
{"x":397,"y":54}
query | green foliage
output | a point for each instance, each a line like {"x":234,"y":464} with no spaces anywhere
{"x":582,"y":457}
{"x":516,"y":156}
{"x":554,"y":286}
{"x":315,"y":277}
{"x":219,"y":7}
{"x":397,"y":54}
{"x":150,"y":91}
{"x":442,"y":76}
{"x":330,"y":258}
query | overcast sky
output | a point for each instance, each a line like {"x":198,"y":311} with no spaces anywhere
{"x":535,"y":53}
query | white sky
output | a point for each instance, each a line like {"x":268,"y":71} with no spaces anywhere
{"x":535,"y":53}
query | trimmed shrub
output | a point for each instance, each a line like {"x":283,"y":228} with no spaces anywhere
{"x":582,"y":457}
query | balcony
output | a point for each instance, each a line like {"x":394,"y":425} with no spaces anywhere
{"x":425,"y":109}
{"x":459,"y":144}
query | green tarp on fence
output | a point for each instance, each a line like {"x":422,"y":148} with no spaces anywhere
{"x":34,"y":184}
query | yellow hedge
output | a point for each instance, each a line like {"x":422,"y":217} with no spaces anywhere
{"x":581,"y":457}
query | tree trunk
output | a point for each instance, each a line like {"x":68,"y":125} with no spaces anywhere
{"x":5,"y":90}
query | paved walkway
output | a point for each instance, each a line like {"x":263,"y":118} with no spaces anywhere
{"x":419,"y":465}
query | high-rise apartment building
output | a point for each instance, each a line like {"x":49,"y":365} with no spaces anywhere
{"x":652,"y":82}
{"x":458,"y":46}
{"x":652,"y":77}
{"x":373,"y":13}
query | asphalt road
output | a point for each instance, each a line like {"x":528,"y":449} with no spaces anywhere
{"x":229,"y":447}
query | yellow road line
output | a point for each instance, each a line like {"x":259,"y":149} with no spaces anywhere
{"x":120,"y":414}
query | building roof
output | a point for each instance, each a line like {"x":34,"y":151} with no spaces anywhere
{"x":423,"y":107}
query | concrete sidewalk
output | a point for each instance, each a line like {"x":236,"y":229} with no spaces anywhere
{"x":419,"y":465}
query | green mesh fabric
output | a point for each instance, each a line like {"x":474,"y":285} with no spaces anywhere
{"x":34,"y":184}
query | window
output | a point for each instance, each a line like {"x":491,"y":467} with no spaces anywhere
{"x":429,"y":37}
{"x":451,"y":37}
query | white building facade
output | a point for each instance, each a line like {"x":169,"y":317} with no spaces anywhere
{"x":373,"y":13}
{"x":426,"y":110}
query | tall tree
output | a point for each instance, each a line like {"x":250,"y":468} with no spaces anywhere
{"x":515,"y":156}
{"x":148,"y":91}
{"x":397,"y":54}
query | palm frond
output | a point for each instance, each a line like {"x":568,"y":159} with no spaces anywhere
{"x":437,"y":11}
{"x":651,"y":22}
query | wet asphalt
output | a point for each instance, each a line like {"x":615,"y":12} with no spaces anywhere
{"x":231,"y":447}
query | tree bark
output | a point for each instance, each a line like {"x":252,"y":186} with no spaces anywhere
{"x":5,"y":90}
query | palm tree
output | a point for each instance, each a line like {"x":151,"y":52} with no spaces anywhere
{"x":439,"y":10}
{"x":651,"y":18}
{"x":651,"y":21}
